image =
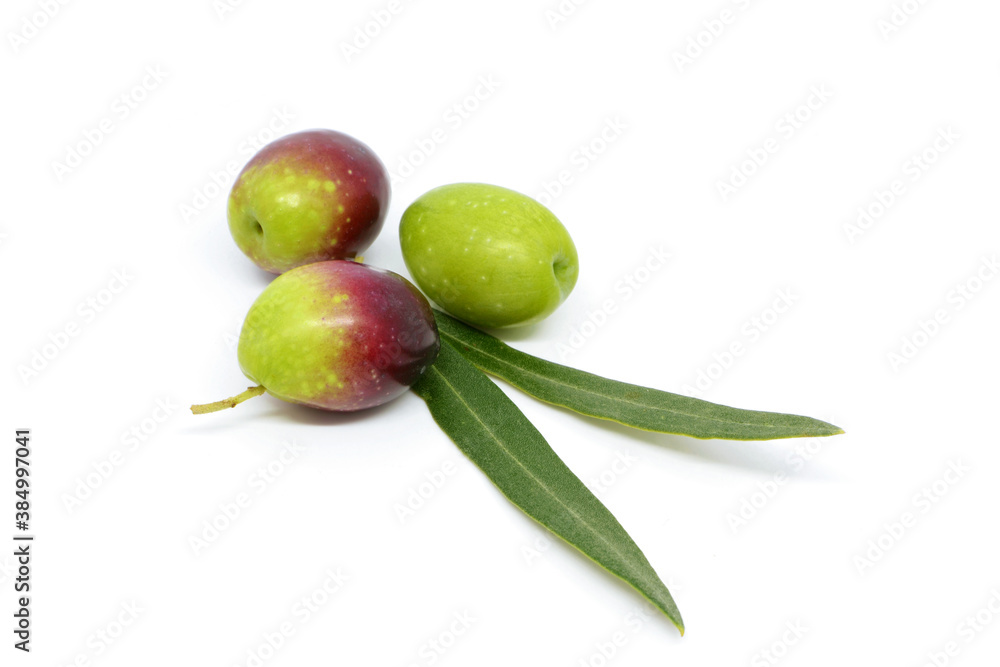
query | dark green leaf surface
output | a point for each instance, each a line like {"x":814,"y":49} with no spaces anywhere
{"x":497,"y":437}
{"x":628,"y":404}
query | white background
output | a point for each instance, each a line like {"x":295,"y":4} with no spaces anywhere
{"x":816,"y":552}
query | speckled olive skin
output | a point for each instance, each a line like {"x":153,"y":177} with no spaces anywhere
{"x":308,"y":197}
{"x":488,"y":255}
{"x":338,"y":335}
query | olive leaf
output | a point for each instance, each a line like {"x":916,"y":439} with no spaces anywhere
{"x":632,"y":405}
{"x":490,"y":429}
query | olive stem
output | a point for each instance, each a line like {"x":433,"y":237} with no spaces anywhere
{"x":231,"y":402}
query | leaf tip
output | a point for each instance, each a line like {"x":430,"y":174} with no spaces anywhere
{"x":834,"y":430}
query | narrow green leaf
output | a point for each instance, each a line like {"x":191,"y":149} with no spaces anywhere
{"x":497,"y":437}
{"x":628,"y":404}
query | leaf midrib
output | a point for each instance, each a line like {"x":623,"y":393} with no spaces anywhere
{"x":621,"y":556}
{"x":617,"y":401}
